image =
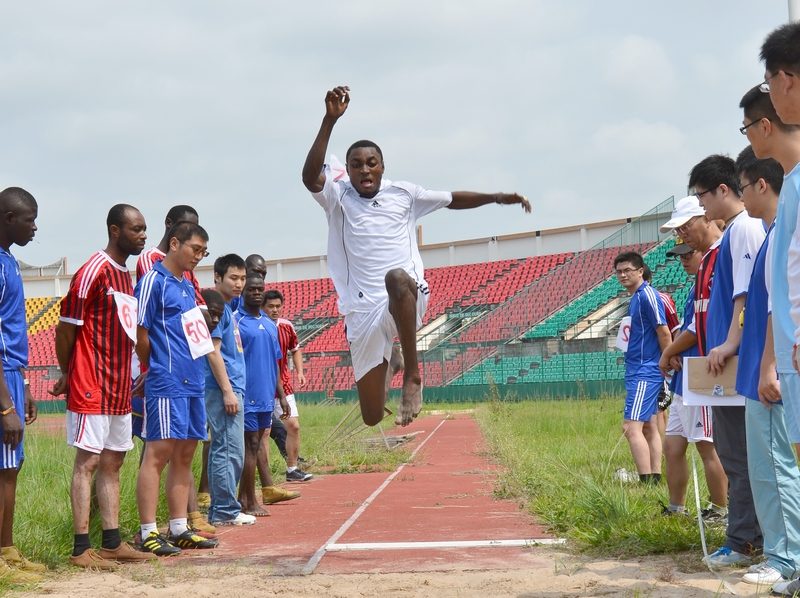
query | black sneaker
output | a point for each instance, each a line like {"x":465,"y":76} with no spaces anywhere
{"x":158,"y":545}
{"x":189,"y":539}
{"x":715,"y":517}
{"x":298,"y":476}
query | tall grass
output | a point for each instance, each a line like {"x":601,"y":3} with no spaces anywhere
{"x":43,"y":521}
{"x":560,"y":457}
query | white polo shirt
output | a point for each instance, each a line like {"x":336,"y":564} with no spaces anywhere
{"x":369,"y":237}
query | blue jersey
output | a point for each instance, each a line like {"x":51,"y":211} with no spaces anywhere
{"x":754,"y":333}
{"x":737,"y":251}
{"x":646,"y":311}
{"x":785,"y":223}
{"x":163,"y":299}
{"x":13,"y":324}
{"x":262,"y":350}
{"x":232,"y":353}
{"x":676,"y":384}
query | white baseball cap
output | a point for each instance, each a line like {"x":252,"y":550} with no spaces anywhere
{"x":686,"y":209}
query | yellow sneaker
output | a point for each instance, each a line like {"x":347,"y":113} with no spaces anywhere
{"x":273,"y":494}
{"x":17,"y":576}
{"x":14,"y":559}
{"x":196,"y":521}
{"x":203,"y":500}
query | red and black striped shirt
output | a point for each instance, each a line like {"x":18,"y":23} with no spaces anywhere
{"x":287,"y":337}
{"x":100,"y":367}
{"x":702,"y":292}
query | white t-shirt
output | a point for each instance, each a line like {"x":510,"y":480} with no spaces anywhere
{"x":369,"y":237}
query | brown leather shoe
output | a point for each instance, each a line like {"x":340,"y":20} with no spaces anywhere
{"x":14,"y":559}
{"x":125,"y":553}
{"x":89,"y":559}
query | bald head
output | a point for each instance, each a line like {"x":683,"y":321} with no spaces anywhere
{"x":256,"y":264}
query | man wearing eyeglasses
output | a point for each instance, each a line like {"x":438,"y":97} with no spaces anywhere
{"x":771,"y":138}
{"x":716,"y":185}
{"x":781,"y":55}
{"x":648,"y":336}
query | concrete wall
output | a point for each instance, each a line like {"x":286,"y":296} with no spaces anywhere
{"x":488,"y":249}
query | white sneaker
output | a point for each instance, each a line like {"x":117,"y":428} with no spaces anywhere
{"x":725,"y":557}
{"x":240,"y":519}
{"x":762,"y":574}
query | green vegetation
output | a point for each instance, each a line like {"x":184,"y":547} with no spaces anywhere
{"x":560,"y":458}
{"x":43,"y":522}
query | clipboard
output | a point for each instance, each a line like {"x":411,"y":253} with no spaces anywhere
{"x":702,"y":389}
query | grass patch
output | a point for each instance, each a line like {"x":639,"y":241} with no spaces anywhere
{"x":560,"y":457}
{"x":43,"y":521}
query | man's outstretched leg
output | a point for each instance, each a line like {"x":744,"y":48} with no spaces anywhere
{"x":402,"y":290}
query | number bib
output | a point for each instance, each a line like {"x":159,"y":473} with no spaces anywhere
{"x":624,"y":334}
{"x":196,"y":333}
{"x":127,"y":310}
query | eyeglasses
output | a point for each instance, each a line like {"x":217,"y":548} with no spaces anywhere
{"x":682,"y":230}
{"x":743,"y":130}
{"x":686,"y":256}
{"x":197,"y":250}
{"x":764,"y":87}
{"x":743,"y":187}
{"x":626,"y":271}
{"x":700,"y":195}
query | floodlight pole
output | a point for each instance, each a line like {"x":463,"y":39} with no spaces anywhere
{"x":794,"y":10}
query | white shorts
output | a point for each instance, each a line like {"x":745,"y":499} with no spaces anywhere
{"x":692,"y":422}
{"x":94,"y":433}
{"x":292,"y":407}
{"x":371,"y":335}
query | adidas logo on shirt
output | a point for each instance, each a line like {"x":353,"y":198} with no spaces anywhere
{"x":261,"y":327}
{"x":747,"y":256}
{"x":375,"y":204}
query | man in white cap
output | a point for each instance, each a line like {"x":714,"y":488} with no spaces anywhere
{"x":701,"y":236}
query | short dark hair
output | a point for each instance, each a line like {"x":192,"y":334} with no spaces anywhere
{"x":713,"y":171}
{"x":781,"y":49}
{"x":757,"y":105}
{"x":363,"y":143}
{"x":251,"y":277}
{"x":175,"y":212}
{"x":116,"y":215}
{"x":635,"y":259}
{"x":183,"y":231}
{"x":647,"y":273}
{"x":212,"y":297}
{"x":225,"y":262}
{"x":15,"y":195}
{"x":752,"y":169}
{"x":271,"y":295}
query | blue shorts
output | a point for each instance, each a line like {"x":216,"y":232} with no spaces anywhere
{"x":641,"y":402}
{"x":257,"y":420}
{"x":12,"y":459}
{"x":137,"y":416}
{"x":179,"y":419}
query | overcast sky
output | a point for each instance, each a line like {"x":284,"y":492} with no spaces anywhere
{"x":594,"y":110}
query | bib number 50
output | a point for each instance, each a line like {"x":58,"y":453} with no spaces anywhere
{"x":196,"y":333}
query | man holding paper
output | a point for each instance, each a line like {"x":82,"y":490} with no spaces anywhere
{"x":647,"y":335}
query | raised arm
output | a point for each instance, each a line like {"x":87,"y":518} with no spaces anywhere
{"x":336,"y":101}
{"x":466,"y":200}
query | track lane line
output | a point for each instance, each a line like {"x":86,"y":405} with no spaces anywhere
{"x":317,"y":557}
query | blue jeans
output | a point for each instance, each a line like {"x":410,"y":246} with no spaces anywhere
{"x":225,"y":456}
{"x":775,"y":479}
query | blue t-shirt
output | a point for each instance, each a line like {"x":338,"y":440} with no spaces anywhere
{"x":163,"y":298}
{"x":754,"y":332}
{"x":646,"y":311}
{"x":737,"y":251}
{"x":785,"y":223}
{"x":676,"y":384}
{"x":13,"y":324}
{"x":232,"y":353}
{"x":262,"y":350}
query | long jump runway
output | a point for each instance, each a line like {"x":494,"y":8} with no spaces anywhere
{"x":434,"y":513}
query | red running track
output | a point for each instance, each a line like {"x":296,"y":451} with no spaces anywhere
{"x":444,"y":494}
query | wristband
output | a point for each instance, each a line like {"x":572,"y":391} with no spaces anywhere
{"x":27,"y":382}
{"x":11,"y":409}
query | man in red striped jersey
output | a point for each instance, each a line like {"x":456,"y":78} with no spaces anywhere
{"x":273,"y":307}
{"x":94,"y":345}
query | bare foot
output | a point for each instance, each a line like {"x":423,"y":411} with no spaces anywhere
{"x":396,"y":364}
{"x":257,"y":512}
{"x":410,"y":402}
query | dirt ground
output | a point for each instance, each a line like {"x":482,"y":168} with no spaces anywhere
{"x":549,"y":574}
